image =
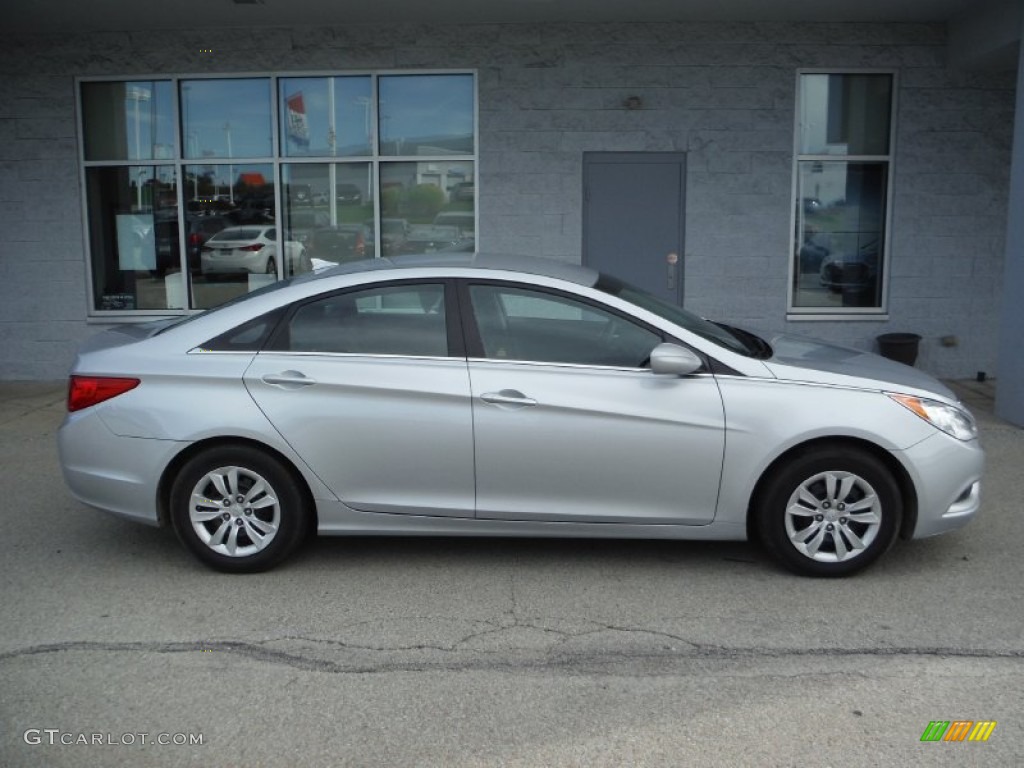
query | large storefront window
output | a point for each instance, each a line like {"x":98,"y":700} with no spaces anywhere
{"x":201,"y":189}
{"x":844,"y":158}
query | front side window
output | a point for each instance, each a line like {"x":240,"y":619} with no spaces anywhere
{"x":522,"y":324}
{"x":843,"y":182}
{"x":407,"y":320}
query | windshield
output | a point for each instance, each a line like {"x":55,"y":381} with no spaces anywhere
{"x":734,"y":340}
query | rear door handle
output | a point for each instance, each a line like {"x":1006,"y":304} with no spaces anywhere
{"x":508,"y":397}
{"x":289,"y":379}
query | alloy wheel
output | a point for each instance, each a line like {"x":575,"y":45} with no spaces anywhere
{"x":234,"y":511}
{"x":833,"y":517}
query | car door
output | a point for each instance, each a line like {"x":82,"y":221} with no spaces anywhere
{"x":366,"y":388}
{"x":569,"y":424}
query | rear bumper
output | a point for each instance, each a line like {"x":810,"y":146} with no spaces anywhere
{"x":115,"y":474}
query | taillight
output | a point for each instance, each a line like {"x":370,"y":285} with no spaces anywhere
{"x":85,"y":391}
{"x":255,"y":247}
{"x":195,"y":239}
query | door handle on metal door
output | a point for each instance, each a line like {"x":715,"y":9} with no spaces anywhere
{"x":508,"y":397}
{"x":289,"y":379}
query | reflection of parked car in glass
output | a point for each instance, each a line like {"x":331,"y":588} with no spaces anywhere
{"x":813,"y":252}
{"x":431,"y":237}
{"x":464,"y":191}
{"x":845,"y":271}
{"x":811,"y":205}
{"x":338,"y":244}
{"x":393,"y":233}
{"x":299,"y":194}
{"x":464,"y":220}
{"x":198,"y":229}
{"x":255,"y":210}
{"x":302,"y":224}
{"x":250,"y":250}
{"x":348,"y":194}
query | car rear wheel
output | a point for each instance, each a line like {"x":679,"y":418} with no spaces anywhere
{"x":271,"y":266}
{"x":237,"y":509}
{"x":830,"y":512}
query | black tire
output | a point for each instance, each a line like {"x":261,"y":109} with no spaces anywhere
{"x":271,"y":266}
{"x":262,"y":526}
{"x":821,"y":536}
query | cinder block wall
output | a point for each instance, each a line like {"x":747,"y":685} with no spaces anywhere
{"x":722,"y":93}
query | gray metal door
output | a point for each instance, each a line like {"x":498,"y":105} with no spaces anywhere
{"x":633,"y":218}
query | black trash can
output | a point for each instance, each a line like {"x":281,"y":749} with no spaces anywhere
{"x":901,"y":347}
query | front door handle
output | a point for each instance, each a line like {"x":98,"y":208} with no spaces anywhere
{"x":289,"y":379}
{"x":508,"y":397}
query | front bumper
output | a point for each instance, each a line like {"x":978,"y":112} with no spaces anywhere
{"x":947,"y":476}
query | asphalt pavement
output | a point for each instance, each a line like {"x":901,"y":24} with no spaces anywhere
{"x":462,"y":652}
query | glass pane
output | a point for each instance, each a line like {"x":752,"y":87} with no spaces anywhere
{"x":845,"y":114}
{"x":326,"y":116}
{"x":128,"y":120}
{"x":401,"y":320}
{"x":226,"y":118}
{"x":427,"y":207}
{"x":232,"y":238}
{"x":840,"y":219}
{"x":133,"y":238}
{"x":331,"y":228}
{"x":518,"y":324}
{"x":426,"y":115}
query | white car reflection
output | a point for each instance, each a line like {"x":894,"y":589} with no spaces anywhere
{"x":250,"y":250}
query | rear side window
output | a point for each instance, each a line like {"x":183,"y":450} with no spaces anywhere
{"x":406,"y":320}
{"x":247,"y":337}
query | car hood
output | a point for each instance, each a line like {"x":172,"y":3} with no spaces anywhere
{"x":800,"y":358}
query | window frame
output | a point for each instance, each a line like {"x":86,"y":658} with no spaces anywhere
{"x":877,"y":313}
{"x":278,"y":160}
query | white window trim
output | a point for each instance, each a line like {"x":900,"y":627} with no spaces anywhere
{"x":881,"y":313}
{"x":179,"y":161}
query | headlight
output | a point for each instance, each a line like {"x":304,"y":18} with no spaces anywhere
{"x":957,"y":422}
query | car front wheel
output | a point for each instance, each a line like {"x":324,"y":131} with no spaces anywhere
{"x":830,"y":512}
{"x":237,"y":509}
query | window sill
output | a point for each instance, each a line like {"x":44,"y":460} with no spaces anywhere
{"x":819,"y":317}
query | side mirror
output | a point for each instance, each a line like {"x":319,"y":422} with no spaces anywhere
{"x":673,"y":360}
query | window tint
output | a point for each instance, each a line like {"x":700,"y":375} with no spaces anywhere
{"x":248,"y":337}
{"x":520,"y":324}
{"x":394,"y":320}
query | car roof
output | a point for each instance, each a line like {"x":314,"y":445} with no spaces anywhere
{"x":480,"y":261}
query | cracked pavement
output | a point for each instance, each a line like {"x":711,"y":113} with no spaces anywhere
{"x":463,"y":652}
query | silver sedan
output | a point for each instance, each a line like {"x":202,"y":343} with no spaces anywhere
{"x":498,"y":396}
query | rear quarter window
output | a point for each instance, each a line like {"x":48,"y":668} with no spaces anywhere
{"x":250,"y":336}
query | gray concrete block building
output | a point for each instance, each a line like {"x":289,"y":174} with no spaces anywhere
{"x":838,"y":169}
